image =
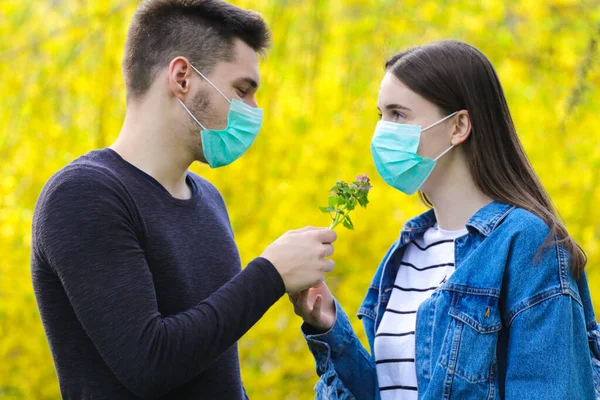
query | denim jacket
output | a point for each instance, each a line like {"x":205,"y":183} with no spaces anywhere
{"x":506,"y":324}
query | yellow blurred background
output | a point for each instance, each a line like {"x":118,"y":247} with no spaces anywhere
{"x":62,"y":95}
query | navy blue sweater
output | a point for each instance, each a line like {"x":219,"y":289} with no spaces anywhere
{"x":141,"y":294}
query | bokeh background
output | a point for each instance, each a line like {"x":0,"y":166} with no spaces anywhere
{"x":62,"y":95}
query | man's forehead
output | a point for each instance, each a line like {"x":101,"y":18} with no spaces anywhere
{"x":243,"y":69}
{"x":245,"y":60}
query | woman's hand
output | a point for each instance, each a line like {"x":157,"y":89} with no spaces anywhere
{"x":316,"y":307}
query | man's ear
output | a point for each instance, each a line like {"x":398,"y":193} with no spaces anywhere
{"x":179,"y":77}
{"x":462,"y":127}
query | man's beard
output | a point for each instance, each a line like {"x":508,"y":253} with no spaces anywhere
{"x":200,"y":108}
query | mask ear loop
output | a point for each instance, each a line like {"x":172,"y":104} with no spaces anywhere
{"x":211,"y":84}
{"x":444,"y":153}
{"x":440,"y":121}
{"x":216,"y":88}
{"x":191,"y":115}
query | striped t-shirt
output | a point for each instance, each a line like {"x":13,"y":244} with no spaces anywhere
{"x":428,"y":261}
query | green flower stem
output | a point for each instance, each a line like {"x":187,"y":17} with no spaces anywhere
{"x":337,"y":220}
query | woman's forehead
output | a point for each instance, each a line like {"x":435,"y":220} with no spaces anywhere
{"x":394,"y":91}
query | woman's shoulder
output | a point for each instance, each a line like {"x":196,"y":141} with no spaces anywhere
{"x":537,"y":266}
{"x":524,"y":222}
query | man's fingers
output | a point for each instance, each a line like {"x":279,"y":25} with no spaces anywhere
{"x":325,"y":235}
{"x":326,"y":250}
{"x":305,"y":229}
{"x":328,"y":265}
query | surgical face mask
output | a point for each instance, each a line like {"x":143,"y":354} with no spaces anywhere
{"x":222,"y":147}
{"x":394,"y":149}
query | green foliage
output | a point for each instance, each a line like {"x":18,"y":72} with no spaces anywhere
{"x":344,"y":198}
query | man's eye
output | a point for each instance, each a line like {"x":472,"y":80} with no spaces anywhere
{"x":242,"y":93}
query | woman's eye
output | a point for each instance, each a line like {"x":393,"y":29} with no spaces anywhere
{"x":397,"y":116}
{"x":380,"y":114}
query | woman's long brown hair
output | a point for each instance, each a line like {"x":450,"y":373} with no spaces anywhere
{"x":456,"y":76}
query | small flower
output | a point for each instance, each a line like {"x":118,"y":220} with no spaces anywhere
{"x":363,"y":178}
{"x":345,"y":198}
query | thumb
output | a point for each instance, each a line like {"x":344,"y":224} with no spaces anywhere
{"x":316,"y":311}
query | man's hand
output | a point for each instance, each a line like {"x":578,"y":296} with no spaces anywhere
{"x":301,"y":257}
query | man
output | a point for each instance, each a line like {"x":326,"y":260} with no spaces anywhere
{"x":135,"y":270}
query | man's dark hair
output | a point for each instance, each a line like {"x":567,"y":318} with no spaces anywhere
{"x":203,"y":31}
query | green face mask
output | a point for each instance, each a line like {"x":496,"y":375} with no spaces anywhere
{"x":394,"y":149}
{"x":222,"y":147}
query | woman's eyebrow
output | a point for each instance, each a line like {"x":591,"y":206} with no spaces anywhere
{"x":397,"y":107}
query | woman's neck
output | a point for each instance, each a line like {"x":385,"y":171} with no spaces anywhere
{"x":456,"y":199}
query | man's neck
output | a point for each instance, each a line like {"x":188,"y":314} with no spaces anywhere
{"x":143,"y":142}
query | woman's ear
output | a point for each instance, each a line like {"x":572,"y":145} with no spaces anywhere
{"x":180,"y":74}
{"x":461,"y":127}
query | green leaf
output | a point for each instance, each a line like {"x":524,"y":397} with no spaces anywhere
{"x":348,"y":224}
{"x":351,"y":204}
{"x":333,"y":201}
{"x":327,"y":209}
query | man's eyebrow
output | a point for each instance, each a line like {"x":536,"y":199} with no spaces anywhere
{"x":248,"y":81}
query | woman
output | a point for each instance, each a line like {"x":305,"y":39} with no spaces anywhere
{"x":485,"y":295}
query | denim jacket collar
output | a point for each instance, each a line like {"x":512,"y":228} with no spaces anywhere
{"x":484,"y":221}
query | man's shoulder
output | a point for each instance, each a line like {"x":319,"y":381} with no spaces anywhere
{"x":81,"y":194}
{"x":90,"y":173}
{"x":87,"y":169}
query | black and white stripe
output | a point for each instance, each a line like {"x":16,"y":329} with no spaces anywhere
{"x":427,"y":263}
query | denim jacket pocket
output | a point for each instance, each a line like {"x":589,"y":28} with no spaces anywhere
{"x":594,"y":340}
{"x":469,"y":348}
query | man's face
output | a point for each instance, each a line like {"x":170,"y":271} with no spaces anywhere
{"x":238,"y":79}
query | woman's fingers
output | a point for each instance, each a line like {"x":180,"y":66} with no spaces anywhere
{"x":301,"y":303}
{"x":316,"y":311}
{"x":308,"y":305}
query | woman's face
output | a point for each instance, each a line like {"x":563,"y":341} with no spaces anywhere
{"x":397,"y":103}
